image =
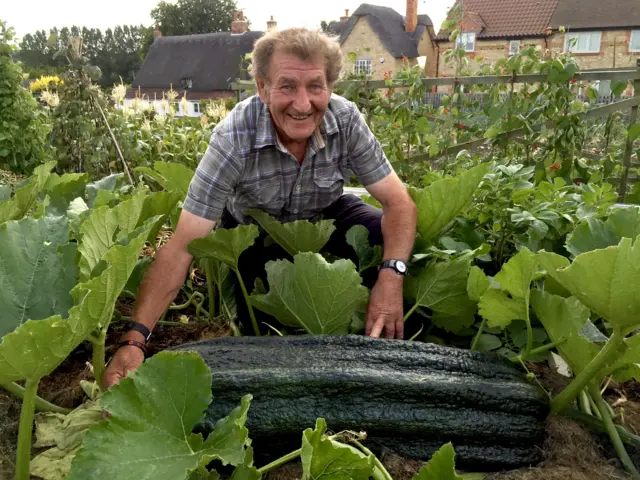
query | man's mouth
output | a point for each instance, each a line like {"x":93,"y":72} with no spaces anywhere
{"x":299,"y":117}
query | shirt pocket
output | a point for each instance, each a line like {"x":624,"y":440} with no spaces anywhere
{"x":265,"y":195}
{"x":328,"y":187}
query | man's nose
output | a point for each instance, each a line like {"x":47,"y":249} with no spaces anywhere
{"x":302,"y":104}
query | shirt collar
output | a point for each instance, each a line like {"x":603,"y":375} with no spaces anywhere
{"x":266,"y":133}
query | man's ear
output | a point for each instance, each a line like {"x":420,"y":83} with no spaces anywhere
{"x":263,"y":91}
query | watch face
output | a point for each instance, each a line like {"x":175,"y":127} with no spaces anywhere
{"x":401,"y":266}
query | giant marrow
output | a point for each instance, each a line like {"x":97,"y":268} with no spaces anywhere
{"x":409,"y":397}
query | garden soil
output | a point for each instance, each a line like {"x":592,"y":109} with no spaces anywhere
{"x":570,"y":452}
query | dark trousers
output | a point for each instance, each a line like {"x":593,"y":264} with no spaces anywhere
{"x":347,"y":211}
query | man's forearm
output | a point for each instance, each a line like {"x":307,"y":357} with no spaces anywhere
{"x":160,"y":286}
{"x":399,"y":228}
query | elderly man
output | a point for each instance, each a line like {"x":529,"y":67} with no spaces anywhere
{"x":286,"y":151}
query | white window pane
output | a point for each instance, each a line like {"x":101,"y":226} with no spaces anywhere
{"x":634,"y":44}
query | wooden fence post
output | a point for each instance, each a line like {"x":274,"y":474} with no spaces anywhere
{"x":626,"y":159}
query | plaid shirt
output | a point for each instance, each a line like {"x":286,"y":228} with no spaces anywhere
{"x":245,"y":165}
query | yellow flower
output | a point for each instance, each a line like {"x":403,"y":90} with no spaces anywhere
{"x":45,"y":82}
{"x":118,"y":93}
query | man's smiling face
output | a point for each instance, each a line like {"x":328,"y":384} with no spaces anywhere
{"x":297,"y":94}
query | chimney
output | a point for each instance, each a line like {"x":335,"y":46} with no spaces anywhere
{"x":412,"y":16}
{"x":157,"y":33}
{"x":239,"y":24}
{"x":346,"y":16}
{"x":272,"y":25}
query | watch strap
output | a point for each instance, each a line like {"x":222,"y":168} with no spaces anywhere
{"x":140,"y":328}
{"x":133,"y":343}
{"x":392,"y":264}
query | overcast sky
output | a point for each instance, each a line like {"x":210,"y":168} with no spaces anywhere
{"x":28,"y":16}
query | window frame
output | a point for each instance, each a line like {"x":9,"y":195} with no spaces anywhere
{"x":513,"y":42}
{"x":358,"y":64}
{"x":459,"y":41}
{"x":196,"y":107}
{"x":635,"y":37}
{"x":568,"y":36}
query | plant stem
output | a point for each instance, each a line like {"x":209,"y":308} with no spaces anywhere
{"x":595,"y":424}
{"x":413,"y":309}
{"x":256,"y":329}
{"x":612,"y":431}
{"x":376,"y":461}
{"x":25,"y":429}
{"x":476,"y":339}
{"x":41,"y":404}
{"x":529,"y":346}
{"x":538,"y":350}
{"x":208,"y":268}
{"x":584,"y":402}
{"x":594,"y":407}
{"x":561,"y":401}
{"x":280,"y":461}
{"x":98,"y":357}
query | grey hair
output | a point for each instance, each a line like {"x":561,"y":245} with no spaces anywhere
{"x":301,"y":42}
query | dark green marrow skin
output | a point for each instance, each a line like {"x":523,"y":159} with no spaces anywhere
{"x":409,"y":397}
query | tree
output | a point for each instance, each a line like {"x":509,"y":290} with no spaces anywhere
{"x":188,"y":17}
{"x":324,"y":25}
{"x":22,"y":128}
{"x":115,"y":51}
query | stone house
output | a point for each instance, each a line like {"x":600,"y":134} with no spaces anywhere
{"x":600,"y":34}
{"x":381,"y":40}
{"x":199,"y":66}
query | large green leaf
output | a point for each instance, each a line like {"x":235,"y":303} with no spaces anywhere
{"x":441,"y":466}
{"x":36,"y":347}
{"x":323,"y":459}
{"x":593,"y":233}
{"x":26,"y":196}
{"x":295,"y":237}
{"x":604,"y":280}
{"x":148,"y":434}
{"x":313,"y":294}
{"x":108,"y":184}
{"x":38,"y":270}
{"x":500,"y":306}
{"x":62,"y":190}
{"x":439,"y":203}
{"x":563,"y":319}
{"x":225,"y":245}
{"x":222,"y":277}
{"x":477,"y":283}
{"x":368,"y":256}
{"x":442,"y":287}
{"x":106,"y":226}
{"x":627,"y":367}
{"x":173,"y":177}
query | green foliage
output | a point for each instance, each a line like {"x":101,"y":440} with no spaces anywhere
{"x":146,"y":431}
{"x":312,"y":294}
{"x":43,"y":270}
{"x":593,"y":233}
{"x":172,"y":177}
{"x":225,"y":245}
{"x":22,"y":127}
{"x":26,"y":196}
{"x":325,"y":459}
{"x":188,"y":17}
{"x":368,"y":256}
{"x":295,"y":237}
{"x":440,"y":467}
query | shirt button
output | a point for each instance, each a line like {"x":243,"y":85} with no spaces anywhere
{"x":296,"y":211}
{"x":298,"y":188}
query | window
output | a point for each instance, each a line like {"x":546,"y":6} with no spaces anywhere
{"x":514,"y":47}
{"x":604,"y":88}
{"x":362,"y":66}
{"x":196,"y":107}
{"x":467,"y":40}
{"x":583,"y":42}
{"x":634,"y":42}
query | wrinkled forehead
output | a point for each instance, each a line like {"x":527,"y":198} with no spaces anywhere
{"x":289,"y":66}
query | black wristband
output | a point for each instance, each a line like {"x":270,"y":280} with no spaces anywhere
{"x":140,"y":328}
{"x":133,"y":343}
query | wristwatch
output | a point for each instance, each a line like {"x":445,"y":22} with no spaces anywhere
{"x":397,"y":265}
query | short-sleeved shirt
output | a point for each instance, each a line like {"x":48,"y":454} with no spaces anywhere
{"x":245,"y":165}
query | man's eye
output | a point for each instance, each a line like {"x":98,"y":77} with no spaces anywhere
{"x":286,"y":88}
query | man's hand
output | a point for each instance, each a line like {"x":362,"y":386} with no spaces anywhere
{"x":125,"y":360}
{"x":385,"y":310}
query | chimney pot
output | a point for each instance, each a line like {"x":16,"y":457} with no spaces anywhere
{"x":412,"y":16}
{"x":239,"y":24}
{"x":272,"y":25}
{"x":346,"y":16}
